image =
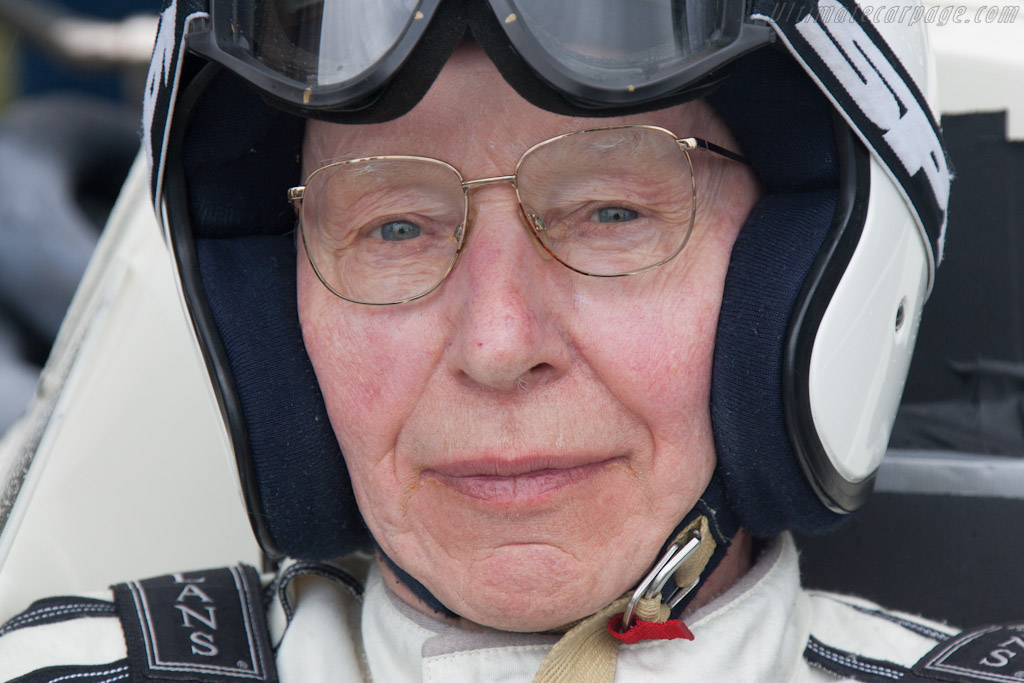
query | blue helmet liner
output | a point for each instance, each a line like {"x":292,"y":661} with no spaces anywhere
{"x":231,"y":158}
{"x":785,"y":266}
{"x":233,"y":235}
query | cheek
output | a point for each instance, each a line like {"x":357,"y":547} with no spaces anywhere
{"x":368,"y":363}
{"x":656,"y":347}
{"x":662,"y":371}
{"x":654,"y":350}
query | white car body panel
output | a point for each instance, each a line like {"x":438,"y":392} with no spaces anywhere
{"x":128,"y":468}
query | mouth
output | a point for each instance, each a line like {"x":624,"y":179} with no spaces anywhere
{"x":522,"y":481}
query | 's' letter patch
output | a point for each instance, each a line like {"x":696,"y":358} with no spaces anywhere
{"x":199,"y":626}
{"x":994,"y":653}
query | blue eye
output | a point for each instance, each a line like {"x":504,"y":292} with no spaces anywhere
{"x":614,"y":214}
{"x":396,"y":231}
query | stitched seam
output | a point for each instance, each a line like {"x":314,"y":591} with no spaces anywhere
{"x":334,"y":574}
{"x":905,"y":623}
{"x":250,"y":619}
{"x":920,"y":629}
{"x":351,"y":586}
{"x":85,"y":606}
{"x":65,"y":606}
{"x":282,"y":592}
{"x":853,"y":663}
{"x":68,"y":677}
{"x":55,"y":611}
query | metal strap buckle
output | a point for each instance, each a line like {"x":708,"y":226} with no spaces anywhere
{"x":656,"y":579}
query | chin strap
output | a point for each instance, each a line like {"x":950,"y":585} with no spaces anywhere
{"x":683,"y":561}
{"x":417,"y":588}
{"x":590,"y":649}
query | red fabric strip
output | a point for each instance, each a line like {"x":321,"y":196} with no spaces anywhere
{"x":648,"y":630}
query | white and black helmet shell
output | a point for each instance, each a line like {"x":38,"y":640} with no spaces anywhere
{"x":823,"y":296}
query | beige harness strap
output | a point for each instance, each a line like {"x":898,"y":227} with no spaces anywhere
{"x":587,"y":652}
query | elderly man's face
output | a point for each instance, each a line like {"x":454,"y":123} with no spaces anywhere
{"x":525,"y":438}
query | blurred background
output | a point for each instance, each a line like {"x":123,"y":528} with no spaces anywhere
{"x":71,"y":81}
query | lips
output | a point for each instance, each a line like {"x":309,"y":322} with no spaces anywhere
{"x":518,"y":481}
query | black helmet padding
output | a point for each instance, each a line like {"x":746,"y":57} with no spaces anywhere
{"x":785,"y":127}
{"x":240,"y":157}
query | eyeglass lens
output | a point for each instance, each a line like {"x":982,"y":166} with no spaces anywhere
{"x":605,"y":202}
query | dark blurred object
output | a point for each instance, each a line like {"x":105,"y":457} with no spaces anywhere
{"x":17,"y":375}
{"x":977,"y":308}
{"x":989,"y":421}
{"x":65,"y":149}
{"x":951,"y":558}
{"x":97,"y":46}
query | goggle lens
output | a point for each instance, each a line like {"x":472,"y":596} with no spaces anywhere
{"x":624,"y":45}
{"x":340,"y":54}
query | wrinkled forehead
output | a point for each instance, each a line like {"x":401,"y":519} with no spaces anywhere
{"x":476,"y":121}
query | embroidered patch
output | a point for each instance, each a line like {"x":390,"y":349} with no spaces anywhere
{"x":199,"y":626}
{"x":994,"y":653}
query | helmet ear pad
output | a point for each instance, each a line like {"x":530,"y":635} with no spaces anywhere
{"x":235,"y":243}
{"x":785,"y":127}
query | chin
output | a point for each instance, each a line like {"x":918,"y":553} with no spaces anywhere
{"x":532,"y":587}
{"x":532,"y":614}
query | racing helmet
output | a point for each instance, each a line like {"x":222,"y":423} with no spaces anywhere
{"x":827,"y":278}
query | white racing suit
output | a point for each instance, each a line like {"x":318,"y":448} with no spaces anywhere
{"x":315,"y":622}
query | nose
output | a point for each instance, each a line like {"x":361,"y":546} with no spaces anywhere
{"x":510,"y":313}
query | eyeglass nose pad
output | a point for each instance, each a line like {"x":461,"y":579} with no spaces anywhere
{"x":536,"y":224}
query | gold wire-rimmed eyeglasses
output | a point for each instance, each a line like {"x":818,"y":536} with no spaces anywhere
{"x":604,"y":202}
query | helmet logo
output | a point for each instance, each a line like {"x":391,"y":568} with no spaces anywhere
{"x":865,"y":79}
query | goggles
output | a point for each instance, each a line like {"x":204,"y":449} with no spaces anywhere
{"x":340,"y":55}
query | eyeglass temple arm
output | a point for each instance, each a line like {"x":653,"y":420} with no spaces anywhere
{"x":694,"y":143}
